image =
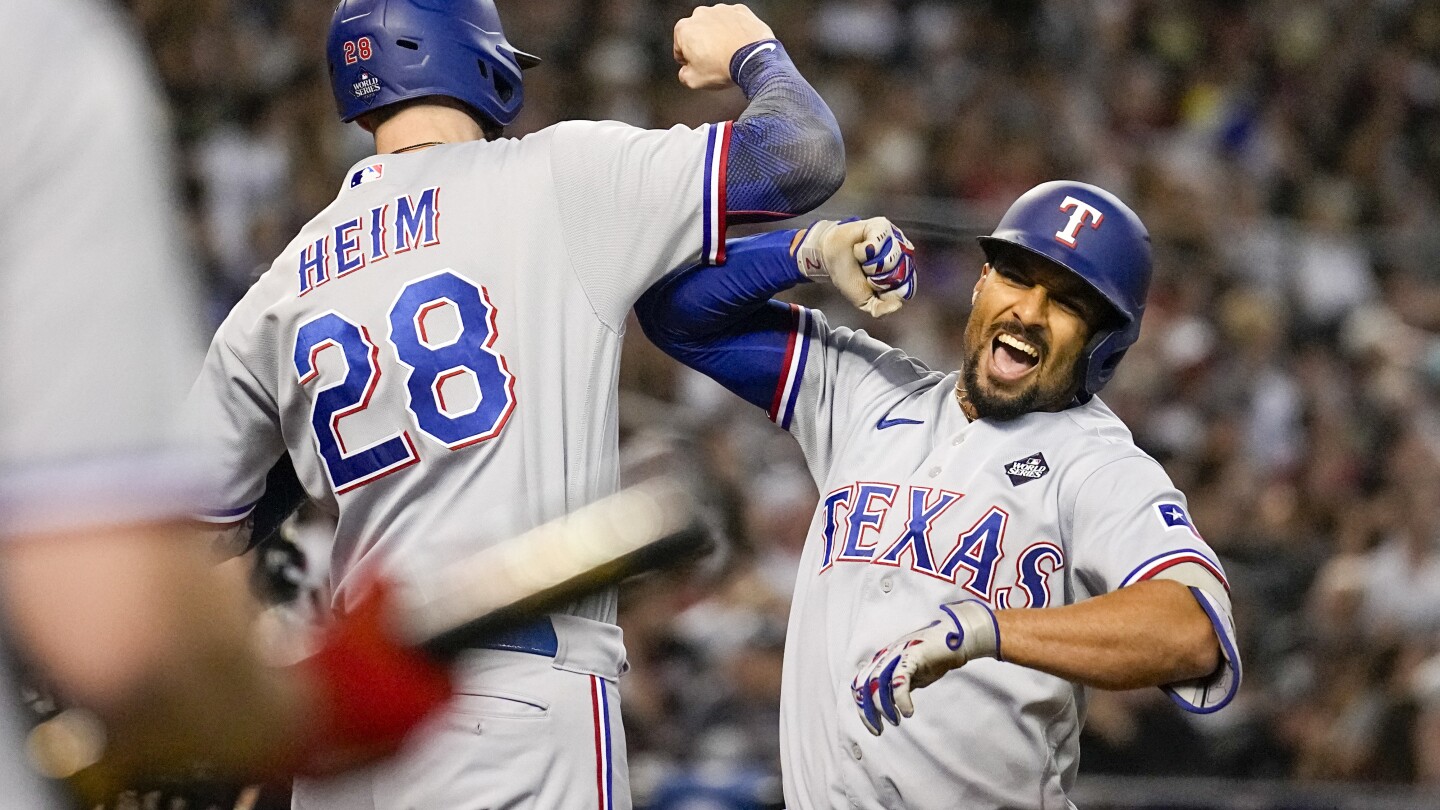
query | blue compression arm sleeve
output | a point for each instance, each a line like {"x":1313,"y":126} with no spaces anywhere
{"x":786,"y":154}
{"x":722,"y":322}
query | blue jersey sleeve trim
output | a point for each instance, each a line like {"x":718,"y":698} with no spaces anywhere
{"x":714,"y":217}
{"x":1230,"y":666}
{"x":1160,"y":562}
{"x":224,"y":517}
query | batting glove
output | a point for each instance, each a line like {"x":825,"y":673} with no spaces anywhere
{"x":965,"y":631}
{"x":869,"y":261}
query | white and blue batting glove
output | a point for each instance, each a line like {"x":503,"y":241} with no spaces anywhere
{"x":888,"y":259}
{"x":869,"y":261}
{"x":965,"y":631}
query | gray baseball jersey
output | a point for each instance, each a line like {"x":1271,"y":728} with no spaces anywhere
{"x":98,"y":338}
{"x":438,"y":349}
{"x":920,"y":506}
{"x":438,"y":352}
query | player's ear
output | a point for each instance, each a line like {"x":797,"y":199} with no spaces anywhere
{"x":984,"y":272}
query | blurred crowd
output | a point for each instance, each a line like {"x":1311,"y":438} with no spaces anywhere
{"x":1285,"y":155}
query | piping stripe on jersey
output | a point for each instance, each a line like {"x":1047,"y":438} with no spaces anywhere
{"x":713,"y":217}
{"x":1154,"y":565}
{"x":224,"y":517}
{"x":787,"y":392}
{"x":1229,"y":685}
{"x":604,"y":768}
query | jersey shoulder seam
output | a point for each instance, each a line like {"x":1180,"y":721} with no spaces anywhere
{"x":1131,"y":451}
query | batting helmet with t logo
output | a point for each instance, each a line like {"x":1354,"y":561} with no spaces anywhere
{"x":1088,"y":231}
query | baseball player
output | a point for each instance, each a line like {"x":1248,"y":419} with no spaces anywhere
{"x":437,"y":352}
{"x":956,"y":506}
{"x":105,"y":593}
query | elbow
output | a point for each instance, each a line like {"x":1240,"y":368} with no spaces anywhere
{"x":826,"y":175}
{"x":654,"y":330}
{"x":1204,"y":656}
{"x":1198,"y":654}
{"x":659,"y":329}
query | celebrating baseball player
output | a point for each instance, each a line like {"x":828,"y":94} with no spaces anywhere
{"x":956,"y":506}
{"x":437,"y":351}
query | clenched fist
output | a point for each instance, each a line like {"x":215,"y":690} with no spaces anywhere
{"x":707,"y":39}
{"x":869,"y":261}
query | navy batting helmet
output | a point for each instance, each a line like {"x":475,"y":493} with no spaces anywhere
{"x":1088,"y":231}
{"x":384,"y":51}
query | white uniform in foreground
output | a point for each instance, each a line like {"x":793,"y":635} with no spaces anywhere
{"x":98,"y":334}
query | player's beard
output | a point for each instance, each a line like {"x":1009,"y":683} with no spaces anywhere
{"x":1035,"y":396}
{"x":990,"y":406}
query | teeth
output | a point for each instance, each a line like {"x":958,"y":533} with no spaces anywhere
{"x":1016,"y":343}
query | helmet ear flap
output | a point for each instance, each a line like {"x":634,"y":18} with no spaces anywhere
{"x":1098,"y":362}
{"x":1100,"y":359}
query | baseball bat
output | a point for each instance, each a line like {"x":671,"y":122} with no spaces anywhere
{"x":652,"y":525}
{"x":648,"y":526}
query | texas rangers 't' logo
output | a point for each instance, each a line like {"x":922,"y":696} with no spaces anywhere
{"x":1067,"y":235}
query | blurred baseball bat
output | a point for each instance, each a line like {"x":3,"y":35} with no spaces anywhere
{"x":652,"y":525}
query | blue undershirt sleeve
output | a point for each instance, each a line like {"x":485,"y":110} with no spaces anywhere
{"x":722,"y":322}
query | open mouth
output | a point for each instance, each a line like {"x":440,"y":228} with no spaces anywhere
{"x":1012,"y":358}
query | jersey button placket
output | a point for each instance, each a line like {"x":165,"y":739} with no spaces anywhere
{"x":886,"y":584}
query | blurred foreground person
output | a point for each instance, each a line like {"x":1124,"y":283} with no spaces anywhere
{"x":107,"y":596}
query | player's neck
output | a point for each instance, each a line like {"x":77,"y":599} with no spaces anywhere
{"x":963,"y":400}
{"x":427,"y":124}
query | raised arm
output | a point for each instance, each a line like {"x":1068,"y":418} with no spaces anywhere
{"x":785,"y":153}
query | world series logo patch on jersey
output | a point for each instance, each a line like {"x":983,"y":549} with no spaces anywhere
{"x":1027,"y":469}
{"x":366,"y":86}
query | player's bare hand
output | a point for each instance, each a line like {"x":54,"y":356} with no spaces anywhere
{"x":965,"y":631}
{"x":869,"y":261}
{"x":707,"y":39}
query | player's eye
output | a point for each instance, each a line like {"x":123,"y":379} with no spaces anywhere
{"x":1070,"y":305}
{"x":1013,"y":276}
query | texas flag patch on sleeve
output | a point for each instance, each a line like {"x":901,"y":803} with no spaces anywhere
{"x":1174,"y":517}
